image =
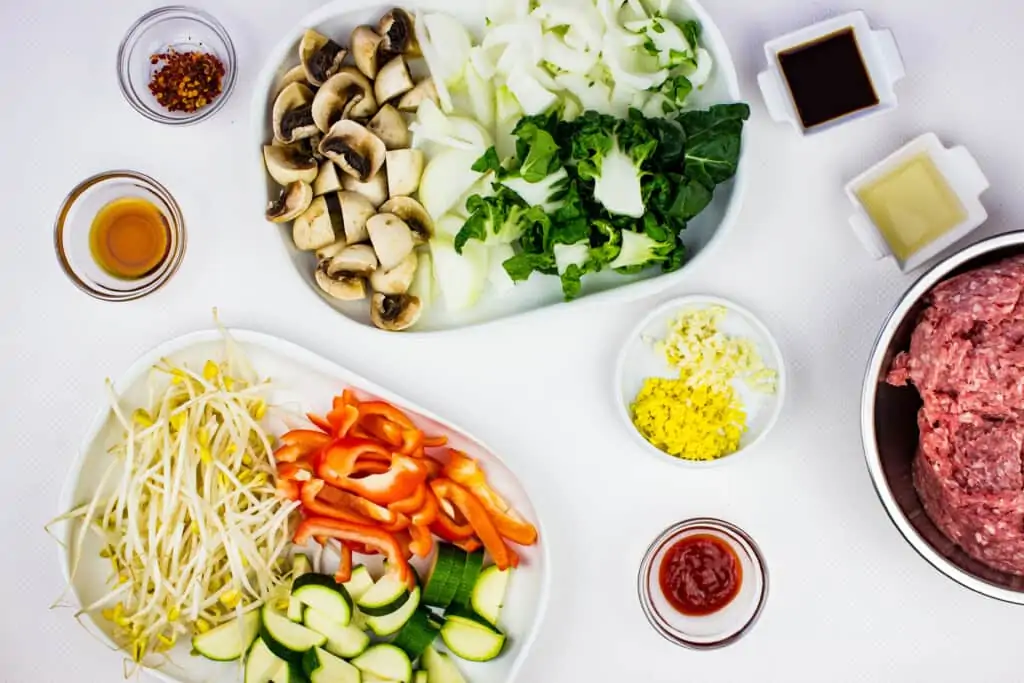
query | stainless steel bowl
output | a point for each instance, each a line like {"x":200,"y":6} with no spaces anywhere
{"x":888,"y":417}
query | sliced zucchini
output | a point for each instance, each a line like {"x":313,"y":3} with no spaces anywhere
{"x":444,"y":576}
{"x":344,"y":641}
{"x":393,"y":622}
{"x":324,"y":594}
{"x":285,"y":638}
{"x":489,"y":593}
{"x":300,"y":565}
{"x":470,"y":640}
{"x":440,"y":667}
{"x":385,"y":661}
{"x":467,"y":582}
{"x":359,"y":582}
{"x":418,"y":633}
{"x":420,"y":677}
{"x":469,"y":618}
{"x":291,"y":672}
{"x":262,"y":665}
{"x":323,"y":667}
{"x":230,"y":640}
{"x":387,"y":595}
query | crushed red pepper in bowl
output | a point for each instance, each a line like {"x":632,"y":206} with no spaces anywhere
{"x":187,"y":81}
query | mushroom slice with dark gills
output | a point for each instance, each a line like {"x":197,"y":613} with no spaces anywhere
{"x":395,"y":312}
{"x":293,"y":114}
{"x":319,"y":225}
{"x":356,"y":150}
{"x":398,"y":36}
{"x":341,"y":286}
{"x":346,"y":95}
{"x":414,"y":215}
{"x":294,"y":199}
{"x":288,"y":163}
{"x":358,"y":259}
{"x":390,"y":126}
{"x":296,"y":74}
{"x":393,"y":80}
{"x":320,"y":56}
{"x":365,"y":44}
{"x":398,"y":279}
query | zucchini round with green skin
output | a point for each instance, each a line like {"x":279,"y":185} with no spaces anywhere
{"x":344,"y":641}
{"x":489,"y":593}
{"x":418,"y":634}
{"x":324,"y":594}
{"x":467,"y":582}
{"x":471,"y":641}
{"x":445,"y":576}
{"x":323,"y":667}
{"x":359,"y":582}
{"x":230,"y":640}
{"x":469,"y":618}
{"x":386,"y":596}
{"x":385,"y":661}
{"x":440,"y":667}
{"x":420,"y":677}
{"x":262,"y":665}
{"x":393,"y":622}
{"x":300,"y":565}
{"x":285,"y":638}
{"x":291,"y":672}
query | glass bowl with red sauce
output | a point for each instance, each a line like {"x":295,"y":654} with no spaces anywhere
{"x":703,"y":583}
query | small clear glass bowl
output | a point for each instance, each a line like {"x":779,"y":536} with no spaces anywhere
{"x":179,"y":28}
{"x":74,"y":223}
{"x":715,"y":630}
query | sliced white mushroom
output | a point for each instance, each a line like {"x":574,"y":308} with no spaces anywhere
{"x":358,"y":259}
{"x":327,"y":178}
{"x":390,"y":126}
{"x":414,"y":215}
{"x":356,"y":210}
{"x":364,"y":44}
{"x":293,"y":115}
{"x":293,"y":200}
{"x":391,"y":239}
{"x":296,"y":74}
{"x":357,"y":151}
{"x":404,"y":168}
{"x":320,"y":56}
{"x":319,"y":225}
{"x":288,"y":163}
{"x":398,"y":279}
{"x":375,"y":189}
{"x":424,"y":90}
{"x":394,"y":312}
{"x":331,"y":250}
{"x":341,"y":286}
{"x":398,"y":34}
{"x":346,"y":95}
{"x":393,"y":80}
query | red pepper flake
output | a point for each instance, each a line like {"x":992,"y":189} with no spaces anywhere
{"x":187,"y":81}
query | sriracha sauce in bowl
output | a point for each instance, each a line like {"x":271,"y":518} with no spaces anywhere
{"x":703,"y":583}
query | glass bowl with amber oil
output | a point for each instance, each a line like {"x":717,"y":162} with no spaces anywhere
{"x":119,"y":235}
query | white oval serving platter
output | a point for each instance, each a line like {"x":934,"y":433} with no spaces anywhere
{"x":301,"y":381}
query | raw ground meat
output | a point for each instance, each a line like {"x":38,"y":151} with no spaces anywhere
{"x":966,"y":359}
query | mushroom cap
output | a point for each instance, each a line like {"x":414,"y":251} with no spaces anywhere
{"x":320,"y":56}
{"x":424,"y":90}
{"x":356,"y":210}
{"x":293,"y":113}
{"x":393,"y":80}
{"x":398,"y":279}
{"x":296,"y":74}
{"x":345,"y":95}
{"x":398,"y":34}
{"x":395,"y":312}
{"x":414,"y":215}
{"x":294,"y":199}
{"x":331,"y":250}
{"x":357,"y":259}
{"x":389,"y":125}
{"x":365,"y":43}
{"x":356,"y":150}
{"x":375,"y":189}
{"x":391,"y":239}
{"x":342,"y":286}
{"x":288,"y":163}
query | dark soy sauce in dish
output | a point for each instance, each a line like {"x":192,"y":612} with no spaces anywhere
{"x":828,"y":78}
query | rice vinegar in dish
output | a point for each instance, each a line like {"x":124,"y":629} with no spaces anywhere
{"x":129,"y":238}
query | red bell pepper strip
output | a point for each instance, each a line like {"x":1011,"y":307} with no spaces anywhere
{"x":426,"y":515}
{"x":398,"y":482}
{"x":359,"y":548}
{"x":435,"y":441}
{"x":412,"y":442}
{"x":382,"y":429}
{"x":470,"y":545}
{"x":348,"y":397}
{"x":327,"y":501}
{"x":401,"y":523}
{"x":287,"y":453}
{"x":287,"y":489}
{"x":342,"y":419}
{"x":466,"y":472}
{"x":321,"y":424}
{"x":344,"y":572}
{"x":477,"y":516}
{"x":434,"y":468}
{"x":300,"y":470}
{"x":364,"y":467}
{"x":387,"y":411}
{"x":422,"y":541}
{"x":444,"y":523}
{"x":371,"y":537}
{"x":412,"y":503}
{"x":341,"y":458}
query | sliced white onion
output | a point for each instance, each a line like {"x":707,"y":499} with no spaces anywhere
{"x":452,"y":44}
{"x":433,"y":60}
{"x":592,"y":94}
{"x":481,"y":96}
{"x":703,"y":71}
{"x":557,"y":53}
{"x":533,"y":97}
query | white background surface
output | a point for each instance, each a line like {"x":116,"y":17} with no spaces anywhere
{"x":850,"y":601}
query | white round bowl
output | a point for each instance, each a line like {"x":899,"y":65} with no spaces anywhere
{"x":639,"y":360}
